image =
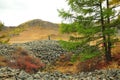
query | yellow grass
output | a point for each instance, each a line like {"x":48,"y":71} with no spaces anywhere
{"x":38,"y":33}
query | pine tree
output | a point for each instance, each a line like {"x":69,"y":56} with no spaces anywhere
{"x":94,"y":19}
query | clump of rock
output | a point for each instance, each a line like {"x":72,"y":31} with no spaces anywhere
{"x":6,"y":49}
{"x":7,"y":73}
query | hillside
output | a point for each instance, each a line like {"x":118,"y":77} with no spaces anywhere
{"x":37,"y":30}
{"x":40,"y":23}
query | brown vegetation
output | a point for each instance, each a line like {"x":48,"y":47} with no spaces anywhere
{"x":38,"y":33}
{"x":66,"y":66}
{"x":3,"y":61}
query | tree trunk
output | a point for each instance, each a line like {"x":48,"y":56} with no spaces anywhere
{"x":108,"y":55}
{"x":107,"y":43}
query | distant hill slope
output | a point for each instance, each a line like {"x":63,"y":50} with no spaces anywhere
{"x":39,"y":23}
{"x":37,"y":30}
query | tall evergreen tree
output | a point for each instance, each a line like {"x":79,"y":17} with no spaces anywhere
{"x":94,"y":19}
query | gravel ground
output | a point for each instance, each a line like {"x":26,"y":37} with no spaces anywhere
{"x":15,"y":74}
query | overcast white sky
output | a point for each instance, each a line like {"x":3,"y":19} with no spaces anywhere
{"x":15,"y":12}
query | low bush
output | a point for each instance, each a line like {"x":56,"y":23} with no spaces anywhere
{"x":23,"y":60}
{"x":92,"y":64}
{"x":87,"y":52}
{"x":65,"y":57}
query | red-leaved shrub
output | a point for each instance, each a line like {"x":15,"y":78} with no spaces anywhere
{"x":29,"y":63}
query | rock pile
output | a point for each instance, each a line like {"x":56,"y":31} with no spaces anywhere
{"x":15,"y":74}
{"x":47,"y":50}
{"x":6,"y":50}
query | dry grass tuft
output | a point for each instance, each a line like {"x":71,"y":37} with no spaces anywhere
{"x":3,"y":61}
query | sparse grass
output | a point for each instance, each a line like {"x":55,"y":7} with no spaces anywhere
{"x":116,"y":48}
{"x":27,"y":33}
{"x":4,"y":39}
{"x":64,"y":65}
{"x":8,"y":33}
{"x":16,"y":31}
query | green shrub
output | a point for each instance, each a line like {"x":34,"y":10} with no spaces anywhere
{"x":69,"y":45}
{"x":87,"y":51}
{"x":86,"y":56}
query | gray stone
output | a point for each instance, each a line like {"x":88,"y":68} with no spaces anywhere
{"x":11,"y":74}
{"x":11,"y":78}
{"x":30,"y":78}
{"x":37,"y":76}
{"x":23,"y":75}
